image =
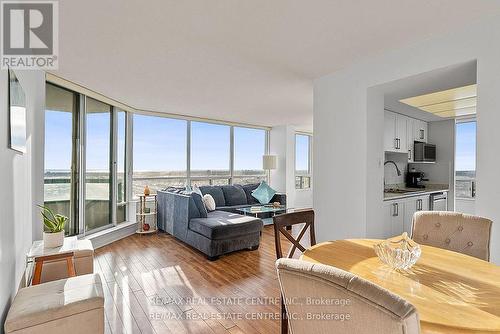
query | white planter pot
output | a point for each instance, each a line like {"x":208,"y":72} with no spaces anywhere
{"x":52,"y":240}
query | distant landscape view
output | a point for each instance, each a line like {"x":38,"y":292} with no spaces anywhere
{"x":58,"y":185}
{"x":465,"y":183}
{"x":465,"y":160}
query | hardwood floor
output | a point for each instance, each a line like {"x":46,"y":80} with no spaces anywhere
{"x":157,"y":284}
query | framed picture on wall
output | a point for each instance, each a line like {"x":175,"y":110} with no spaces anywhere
{"x":17,"y":114}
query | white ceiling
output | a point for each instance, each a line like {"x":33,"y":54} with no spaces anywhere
{"x":249,"y":61}
{"x":453,"y":76}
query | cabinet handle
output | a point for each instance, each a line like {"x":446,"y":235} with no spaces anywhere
{"x":409,"y":154}
{"x":395,"y":143}
{"x":421,"y":134}
{"x":399,"y":145}
{"x":395,"y":210}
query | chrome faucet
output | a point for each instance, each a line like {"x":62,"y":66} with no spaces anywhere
{"x":392,"y":162}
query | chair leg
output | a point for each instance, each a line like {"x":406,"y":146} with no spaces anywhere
{"x":284,"y":318}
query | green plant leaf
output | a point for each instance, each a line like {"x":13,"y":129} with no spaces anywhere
{"x":53,"y":222}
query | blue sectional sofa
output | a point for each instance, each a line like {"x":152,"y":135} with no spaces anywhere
{"x":214,"y":233}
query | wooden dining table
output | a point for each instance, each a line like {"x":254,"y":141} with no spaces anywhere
{"x":453,"y":292}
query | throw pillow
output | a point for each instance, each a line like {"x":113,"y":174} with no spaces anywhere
{"x":264,"y":193}
{"x":197,"y":190}
{"x":198,"y":201}
{"x":209,"y":202}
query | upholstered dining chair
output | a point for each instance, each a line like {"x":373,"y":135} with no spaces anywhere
{"x":355,"y":305}
{"x":453,"y":231}
{"x":282,"y":226}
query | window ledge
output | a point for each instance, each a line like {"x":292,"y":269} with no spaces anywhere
{"x":112,"y":234}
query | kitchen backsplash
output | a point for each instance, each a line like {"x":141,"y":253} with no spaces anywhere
{"x":390,"y":175}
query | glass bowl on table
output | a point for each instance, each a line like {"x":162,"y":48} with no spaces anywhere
{"x":399,"y":253}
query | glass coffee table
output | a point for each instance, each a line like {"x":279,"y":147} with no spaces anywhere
{"x":264,"y":212}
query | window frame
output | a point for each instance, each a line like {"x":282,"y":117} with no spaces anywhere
{"x":300,"y":176}
{"x":79,"y":151}
{"x":210,"y":178}
{"x":472,"y":197}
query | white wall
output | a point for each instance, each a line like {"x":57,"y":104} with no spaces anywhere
{"x":282,"y":144}
{"x":19,"y":191}
{"x":391,"y":177}
{"x":348,"y":127}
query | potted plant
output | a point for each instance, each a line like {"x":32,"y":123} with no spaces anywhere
{"x":53,"y":234}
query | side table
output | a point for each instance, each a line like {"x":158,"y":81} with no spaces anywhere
{"x":54,"y":269}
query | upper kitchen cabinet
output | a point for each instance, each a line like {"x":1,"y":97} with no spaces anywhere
{"x":400,"y":132}
{"x":395,"y":132}
{"x":420,"y":131}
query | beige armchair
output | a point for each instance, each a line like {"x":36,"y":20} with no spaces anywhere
{"x":453,"y":231}
{"x":324,"y":299}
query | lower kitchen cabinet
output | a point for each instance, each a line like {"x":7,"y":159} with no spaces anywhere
{"x":393,"y":218}
{"x":398,"y":214}
{"x":413,"y":205}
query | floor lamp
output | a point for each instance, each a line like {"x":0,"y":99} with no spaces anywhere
{"x":268,"y":164}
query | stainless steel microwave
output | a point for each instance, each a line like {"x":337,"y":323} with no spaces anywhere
{"x":424,"y":152}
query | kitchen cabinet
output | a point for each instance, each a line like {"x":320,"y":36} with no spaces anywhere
{"x":395,"y":132}
{"x":412,"y":205}
{"x":420,"y":131}
{"x":393,"y":218}
{"x":401,"y":131}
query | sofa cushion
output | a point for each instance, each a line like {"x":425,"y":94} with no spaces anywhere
{"x":216,"y":193}
{"x":198,"y":201}
{"x":248,"y":188}
{"x":234,"y":195}
{"x":264,"y":193}
{"x":193,"y":211}
{"x":39,"y":304}
{"x":225,"y":225}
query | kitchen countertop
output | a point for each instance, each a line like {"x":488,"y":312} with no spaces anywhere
{"x":429,"y":189}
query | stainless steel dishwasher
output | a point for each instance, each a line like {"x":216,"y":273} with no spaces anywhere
{"x":439,"y":201}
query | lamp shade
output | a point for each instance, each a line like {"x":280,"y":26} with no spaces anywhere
{"x":268,"y":162}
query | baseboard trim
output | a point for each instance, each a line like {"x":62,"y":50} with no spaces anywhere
{"x":111,"y":235}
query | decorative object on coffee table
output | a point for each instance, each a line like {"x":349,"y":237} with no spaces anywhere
{"x":264,"y":212}
{"x":53,"y":235}
{"x":147,"y":214}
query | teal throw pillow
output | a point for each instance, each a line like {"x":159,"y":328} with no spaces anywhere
{"x":264,"y":193}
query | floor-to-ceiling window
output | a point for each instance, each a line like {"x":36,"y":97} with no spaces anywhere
{"x":160,"y":153}
{"x":60,"y":179}
{"x":210,"y":153}
{"x":302,"y":161}
{"x":465,"y":166}
{"x":85,"y":160}
{"x":90,"y":146}
{"x":97,"y":165}
{"x":249,"y":147}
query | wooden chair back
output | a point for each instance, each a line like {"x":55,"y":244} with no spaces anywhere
{"x":70,"y":265}
{"x":283,"y":225}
